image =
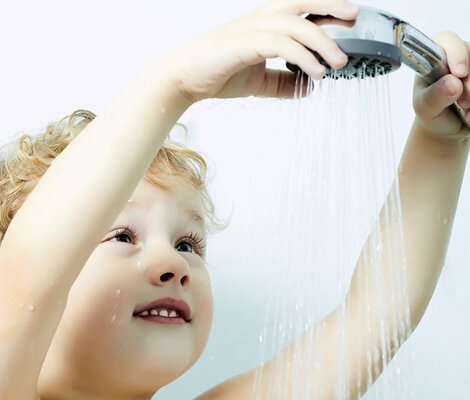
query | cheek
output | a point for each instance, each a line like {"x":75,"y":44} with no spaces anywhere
{"x":97,"y":300}
{"x":204,"y":302}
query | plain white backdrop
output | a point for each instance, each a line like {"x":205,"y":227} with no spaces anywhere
{"x":58,"y":56}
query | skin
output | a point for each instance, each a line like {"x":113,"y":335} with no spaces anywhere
{"x":110,"y":352}
{"x":231,"y":63}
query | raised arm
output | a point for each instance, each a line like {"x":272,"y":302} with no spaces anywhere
{"x":88,"y":184}
{"x":430,"y":177}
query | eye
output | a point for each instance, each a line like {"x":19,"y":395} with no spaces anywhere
{"x":125,"y":235}
{"x":192,"y":243}
{"x":185,"y":247}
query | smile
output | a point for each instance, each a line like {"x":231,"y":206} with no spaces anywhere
{"x":167,"y":310}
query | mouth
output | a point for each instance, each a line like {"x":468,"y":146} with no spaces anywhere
{"x":167,"y":310}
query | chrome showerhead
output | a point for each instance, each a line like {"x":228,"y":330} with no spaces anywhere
{"x":377,"y":43}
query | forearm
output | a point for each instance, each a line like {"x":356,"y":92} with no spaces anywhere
{"x":87,"y":185}
{"x":430,"y":175}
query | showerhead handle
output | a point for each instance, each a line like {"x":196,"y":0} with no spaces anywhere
{"x":426,"y":58}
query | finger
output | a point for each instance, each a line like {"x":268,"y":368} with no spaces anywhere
{"x":457,"y":53}
{"x":269,"y":45}
{"x":432,"y":102}
{"x":308,"y":34}
{"x":464,"y":100}
{"x":341,"y":9}
{"x":284,"y":84}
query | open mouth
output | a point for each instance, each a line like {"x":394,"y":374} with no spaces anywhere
{"x":167,"y":310}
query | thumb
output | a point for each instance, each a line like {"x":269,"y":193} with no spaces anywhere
{"x":431,"y":103}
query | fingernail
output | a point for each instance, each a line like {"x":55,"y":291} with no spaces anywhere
{"x":449,"y":87}
{"x":353,"y":7}
{"x":461,"y":69}
{"x":341,"y":57}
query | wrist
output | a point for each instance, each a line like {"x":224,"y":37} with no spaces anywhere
{"x":167,"y":85}
{"x":450,"y":141}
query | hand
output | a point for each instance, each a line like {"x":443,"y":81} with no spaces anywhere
{"x":431,"y":102}
{"x":230,"y":61}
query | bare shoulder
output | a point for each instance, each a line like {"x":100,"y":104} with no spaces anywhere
{"x":236,"y":388}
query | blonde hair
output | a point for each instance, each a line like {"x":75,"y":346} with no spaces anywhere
{"x":24,"y":161}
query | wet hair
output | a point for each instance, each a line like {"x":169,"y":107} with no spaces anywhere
{"x":25,"y":160}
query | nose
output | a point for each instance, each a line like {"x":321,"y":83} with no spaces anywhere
{"x":166,"y":266}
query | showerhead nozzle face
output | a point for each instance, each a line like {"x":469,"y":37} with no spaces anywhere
{"x":366,"y":58}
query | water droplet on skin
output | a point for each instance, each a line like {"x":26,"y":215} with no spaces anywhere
{"x":113,"y":318}
{"x":118,"y":292}
{"x":139,"y":263}
{"x":30,"y":307}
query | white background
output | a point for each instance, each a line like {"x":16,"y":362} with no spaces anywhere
{"x":58,"y":56}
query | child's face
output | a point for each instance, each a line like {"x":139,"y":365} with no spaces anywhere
{"x":101,"y":343}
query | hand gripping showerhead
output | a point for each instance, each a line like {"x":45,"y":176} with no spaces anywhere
{"x":377,"y":43}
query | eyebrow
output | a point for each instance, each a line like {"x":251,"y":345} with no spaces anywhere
{"x":190,"y":212}
{"x":195,"y":216}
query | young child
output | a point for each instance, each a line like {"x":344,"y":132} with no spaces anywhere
{"x":104,"y":292}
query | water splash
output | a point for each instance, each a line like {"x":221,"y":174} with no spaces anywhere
{"x":342,"y":170}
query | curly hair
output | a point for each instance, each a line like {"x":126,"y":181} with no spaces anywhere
{"x":24,"y":161}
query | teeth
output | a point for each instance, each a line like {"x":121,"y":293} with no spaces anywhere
{"x":161,"y":312}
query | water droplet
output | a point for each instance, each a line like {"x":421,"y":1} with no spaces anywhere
{"x":113,"y":318}
{"x":118,"y":292}
{"x":130,"y":200}
{"x":30,"y":307}
{"x":139,"y":263}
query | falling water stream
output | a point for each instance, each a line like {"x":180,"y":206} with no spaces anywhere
{"x":342,"y":175}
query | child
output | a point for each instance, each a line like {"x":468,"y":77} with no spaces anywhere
{"x":103,"y":288}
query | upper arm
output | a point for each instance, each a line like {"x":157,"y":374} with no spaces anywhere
{"x":335,"y":348}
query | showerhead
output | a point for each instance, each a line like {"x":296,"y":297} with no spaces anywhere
{"x":377,"y":43}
